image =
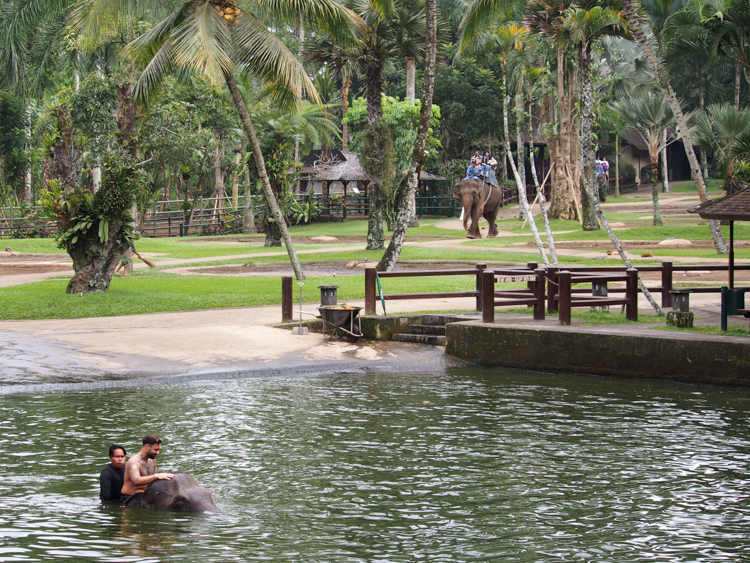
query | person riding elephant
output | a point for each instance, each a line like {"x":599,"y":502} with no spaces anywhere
{"x":474,"y":170}
{"x":181,"y":492}
{"x":479,"y":199}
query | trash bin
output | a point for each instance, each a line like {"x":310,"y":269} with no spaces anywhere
{"x":735,"y":301}
{"x":328,"y":295}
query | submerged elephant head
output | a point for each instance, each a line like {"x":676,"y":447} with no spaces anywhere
{"x":182,"y":492}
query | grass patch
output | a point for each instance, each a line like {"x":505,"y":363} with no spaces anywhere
{"x":157,"y":292}
{"x":732,"y":330}
{"x":647,"y":233}
{"x":591,"y":318}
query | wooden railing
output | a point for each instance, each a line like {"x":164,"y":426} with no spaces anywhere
{"x":553,"y":284}
{"x":371,"y":290}
{"x":532,"y":295}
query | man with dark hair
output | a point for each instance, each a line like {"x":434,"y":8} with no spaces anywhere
{"x":112,"y":476}
{"x":140,"y":470}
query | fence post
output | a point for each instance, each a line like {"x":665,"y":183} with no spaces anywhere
{"x":154,"y":219}
{"x":370,"y":291}
{"x":286,"y":299}
{"x":11,"y":217}
{"x":200,"y":212}
{"x":631,"y":291}
{"x":488,"y":296}
{"x":539,"y":292}
{"x":182,"y":229}
{"x":564,"y":305}
{"x":552,"y":288}
{"x":666,"y":285}
{"x":481,"y":267}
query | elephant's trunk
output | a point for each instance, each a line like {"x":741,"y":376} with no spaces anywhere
{"x":468,"y":201}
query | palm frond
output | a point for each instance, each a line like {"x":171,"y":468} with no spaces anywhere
{"x":326,"y":16}
{"x":475,"y":20}
{"x":268,"y":58}
{"x":202,"y":43}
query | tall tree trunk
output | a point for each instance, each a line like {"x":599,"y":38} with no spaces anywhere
{"x":411,"y":79}
{"x":273,"y":205}
{"x":523,"y":202}
{"x":664,"y":159}
{"x":621,"y":252}
{"x":663,"y":79}
{"x":737,"y":85}
{"x":520,"y":145}
{"x":618,"y":193}
{"x":540,"y":191}
{"x":417,"y":160}
{"x":236,"y":180}
{"x":374,"y":161}
{"x":560,"y":145}
{"x":589,"y":197}
{"x":248,"y":222}
{"x":347,"y":82}
{"x":219,"y":190}
{"x":654,"y":161}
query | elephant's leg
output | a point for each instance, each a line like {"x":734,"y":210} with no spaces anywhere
{"x":491,"y":218}
{"x":476,"y":214}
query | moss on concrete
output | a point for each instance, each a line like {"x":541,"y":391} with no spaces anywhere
{"x":714,"y":360}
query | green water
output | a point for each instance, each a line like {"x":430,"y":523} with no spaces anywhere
{"x":468,"y":465}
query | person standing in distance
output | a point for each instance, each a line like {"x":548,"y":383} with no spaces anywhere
{"x":140,"y":470}
{"x":112,"y":476}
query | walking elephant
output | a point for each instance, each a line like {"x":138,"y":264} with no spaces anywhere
{"x":479,"y":199}
{"x":181,"y":492}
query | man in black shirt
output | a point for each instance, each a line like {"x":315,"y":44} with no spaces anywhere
{"x":113,"y":475}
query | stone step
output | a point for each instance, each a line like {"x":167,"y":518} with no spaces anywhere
{"x":430,"y":339}
{"x":426,"y":329}
{"x":436,"y":319}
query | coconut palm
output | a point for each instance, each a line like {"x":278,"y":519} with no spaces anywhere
{"x":649,"y":115}
{"x":216,"y":38}
{"x":417,"y":160}
{"x":662,"y":75}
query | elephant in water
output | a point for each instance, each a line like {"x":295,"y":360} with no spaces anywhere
{"x":182,"y":492}
{"x":479,"y":199}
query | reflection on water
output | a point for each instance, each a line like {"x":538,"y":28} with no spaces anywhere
{"x":472,"y":465}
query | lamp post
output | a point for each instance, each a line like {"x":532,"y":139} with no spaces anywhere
{"x":300,"y":329}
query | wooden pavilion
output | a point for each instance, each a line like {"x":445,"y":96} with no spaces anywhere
{"x":733,"y":207}
{"x":322,"y":171}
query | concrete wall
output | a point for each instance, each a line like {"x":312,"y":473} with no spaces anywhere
{"x":649,"y":354}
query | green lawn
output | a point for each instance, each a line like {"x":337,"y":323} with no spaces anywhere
{"x":149,"y":291}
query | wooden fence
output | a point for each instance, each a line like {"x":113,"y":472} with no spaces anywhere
{"x":210,"y":216}
{"x":553,"y":284}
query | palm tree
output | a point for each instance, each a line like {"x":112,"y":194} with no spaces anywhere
{"x":636,"y":28}
{"x":584,"y":25}
{"x":215,"y":39}
{"x":417,"y":160}
{"x":546,"y":17}
{"x":717,"y":131}
{"x":651,"y":117}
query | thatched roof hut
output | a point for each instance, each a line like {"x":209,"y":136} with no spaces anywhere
{"x":342,"y":166}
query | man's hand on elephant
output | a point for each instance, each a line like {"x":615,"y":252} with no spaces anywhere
{"x":166,"y":476}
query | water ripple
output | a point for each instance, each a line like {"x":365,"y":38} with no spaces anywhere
{"x":467,"y":465}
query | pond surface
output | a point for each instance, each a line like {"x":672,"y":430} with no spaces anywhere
{"x":468,"y":465}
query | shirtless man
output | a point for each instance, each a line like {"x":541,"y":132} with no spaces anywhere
{"x":140,"y":471}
